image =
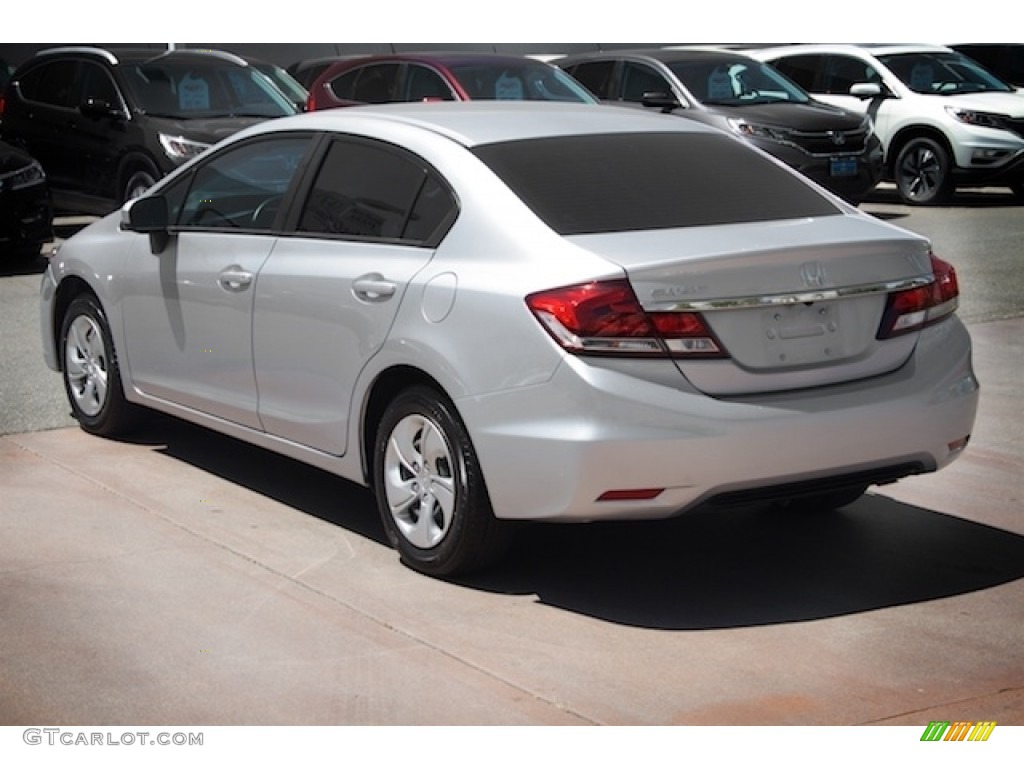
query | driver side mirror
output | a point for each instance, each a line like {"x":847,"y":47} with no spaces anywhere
{"x":148,"y":215}
{"x":666,"y":102}
{"x":866,"y":90}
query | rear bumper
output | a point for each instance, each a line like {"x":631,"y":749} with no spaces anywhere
{"x":550,"y":451}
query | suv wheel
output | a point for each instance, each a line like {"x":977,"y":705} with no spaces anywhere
{"x":923,"y":172}
{"x":137,"y":182}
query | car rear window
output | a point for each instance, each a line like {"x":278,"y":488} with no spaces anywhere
{"x":634,"y":181}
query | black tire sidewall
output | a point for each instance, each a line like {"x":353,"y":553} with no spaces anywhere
{"x":944,"y":189}
{"x":455,"y":551}
{"x":113,"y":416}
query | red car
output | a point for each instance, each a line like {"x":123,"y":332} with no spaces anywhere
{"x":441,"y":77}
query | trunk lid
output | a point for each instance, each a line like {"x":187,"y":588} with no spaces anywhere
{"x":795,"y":303}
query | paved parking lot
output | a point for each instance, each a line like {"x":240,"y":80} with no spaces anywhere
{"x":184,"y":577}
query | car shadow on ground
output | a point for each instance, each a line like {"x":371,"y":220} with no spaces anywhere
{"x":704,"y":570}
{"x":987,"y":197}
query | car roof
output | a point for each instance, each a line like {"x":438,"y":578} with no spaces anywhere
{"x":664,"y":55}
{"x":444,"y":58}
{"x":473,"y":123}
{"x":115,"y":55}
{"x":875,"y":49}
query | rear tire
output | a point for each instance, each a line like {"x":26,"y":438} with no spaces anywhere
{"x":429,"y":488}
{"x":92,"y":378}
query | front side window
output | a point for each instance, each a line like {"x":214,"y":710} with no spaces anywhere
{"x":424,"y":84}
{"x":98,"y":86}
{"x":804,"y":70}
{"x":843,"y":72}
{"x":372,"y":84}
{"x":367,"y":190}
{"x":596,"y":77}
{"x":638,"y":79}
{"x":241,"y":188}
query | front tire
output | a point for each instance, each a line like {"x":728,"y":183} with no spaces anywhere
{"x":92,"y":378}
{"x":923,"y":173}
{"x":429,"y":488}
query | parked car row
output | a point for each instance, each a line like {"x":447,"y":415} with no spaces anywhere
{"x":105,"y":124}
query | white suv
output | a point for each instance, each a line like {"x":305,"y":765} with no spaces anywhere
{"x":943,"y":120}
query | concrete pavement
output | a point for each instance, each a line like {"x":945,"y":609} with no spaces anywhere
{"x":185,"y":578}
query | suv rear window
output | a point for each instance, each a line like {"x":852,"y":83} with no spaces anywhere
{"x":634,"y":181}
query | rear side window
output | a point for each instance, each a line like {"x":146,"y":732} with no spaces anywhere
{"x":54,"y":83}
{"x":634,"y":181}
{"x":369,"y":190}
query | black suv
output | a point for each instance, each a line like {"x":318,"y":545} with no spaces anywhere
{"x":832,"y":146}
{"x":106,"y":124}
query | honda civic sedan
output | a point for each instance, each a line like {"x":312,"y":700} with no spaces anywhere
{"x":497,"y":312}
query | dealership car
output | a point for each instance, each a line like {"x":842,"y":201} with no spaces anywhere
{"x":944,"y":120}
{"x":461,"y":76}
{"x":834,"y":147}
{"x":491,"y":312}
{"x":106,"y":124}
{"x":26,"y":215}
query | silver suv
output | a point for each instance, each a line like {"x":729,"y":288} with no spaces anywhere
{"x":944,"y":120}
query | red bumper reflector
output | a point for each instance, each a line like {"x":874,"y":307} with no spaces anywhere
{"x":631,"y":494}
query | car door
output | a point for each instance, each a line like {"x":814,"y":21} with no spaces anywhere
{"x":329,"y":292}
{"x":101,"y":131}
{"x":188,"y":310}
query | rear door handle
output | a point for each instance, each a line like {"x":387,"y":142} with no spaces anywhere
{"x":235,"y":279}
{"x":373,"y":287}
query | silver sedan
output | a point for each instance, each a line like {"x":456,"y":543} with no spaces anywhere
{"x":511,"y":311}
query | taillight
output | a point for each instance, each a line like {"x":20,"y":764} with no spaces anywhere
{"x":605,"y":318}
{"x":915,"y":308}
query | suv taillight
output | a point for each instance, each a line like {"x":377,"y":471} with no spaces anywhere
{"x":915,"y":308}
{"x":605,"y":318}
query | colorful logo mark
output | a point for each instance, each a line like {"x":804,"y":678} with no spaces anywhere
{"x":939,"y":730}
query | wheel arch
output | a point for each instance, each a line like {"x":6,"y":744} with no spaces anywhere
{"x":908,"y":134}
{"x":384,"y":389}
{"x":69,"y":289}
{"x":136,"y":160}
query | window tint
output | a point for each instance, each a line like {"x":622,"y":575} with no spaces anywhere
{"x":638,"y":79}
{"x":372,"y":84}
{"x":802,"y":70}
{"x":517,"y":80}
{"x":186,"y":88}
{"x":843,"y":72}
{"x":424,"y":84}
{"x":52,"y":83}
{"x":241,"y":188}
{"x":98,"y":86}
{"x":596,"y":76}
{"x":623,"y":182}
{"x":369,"y":190}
